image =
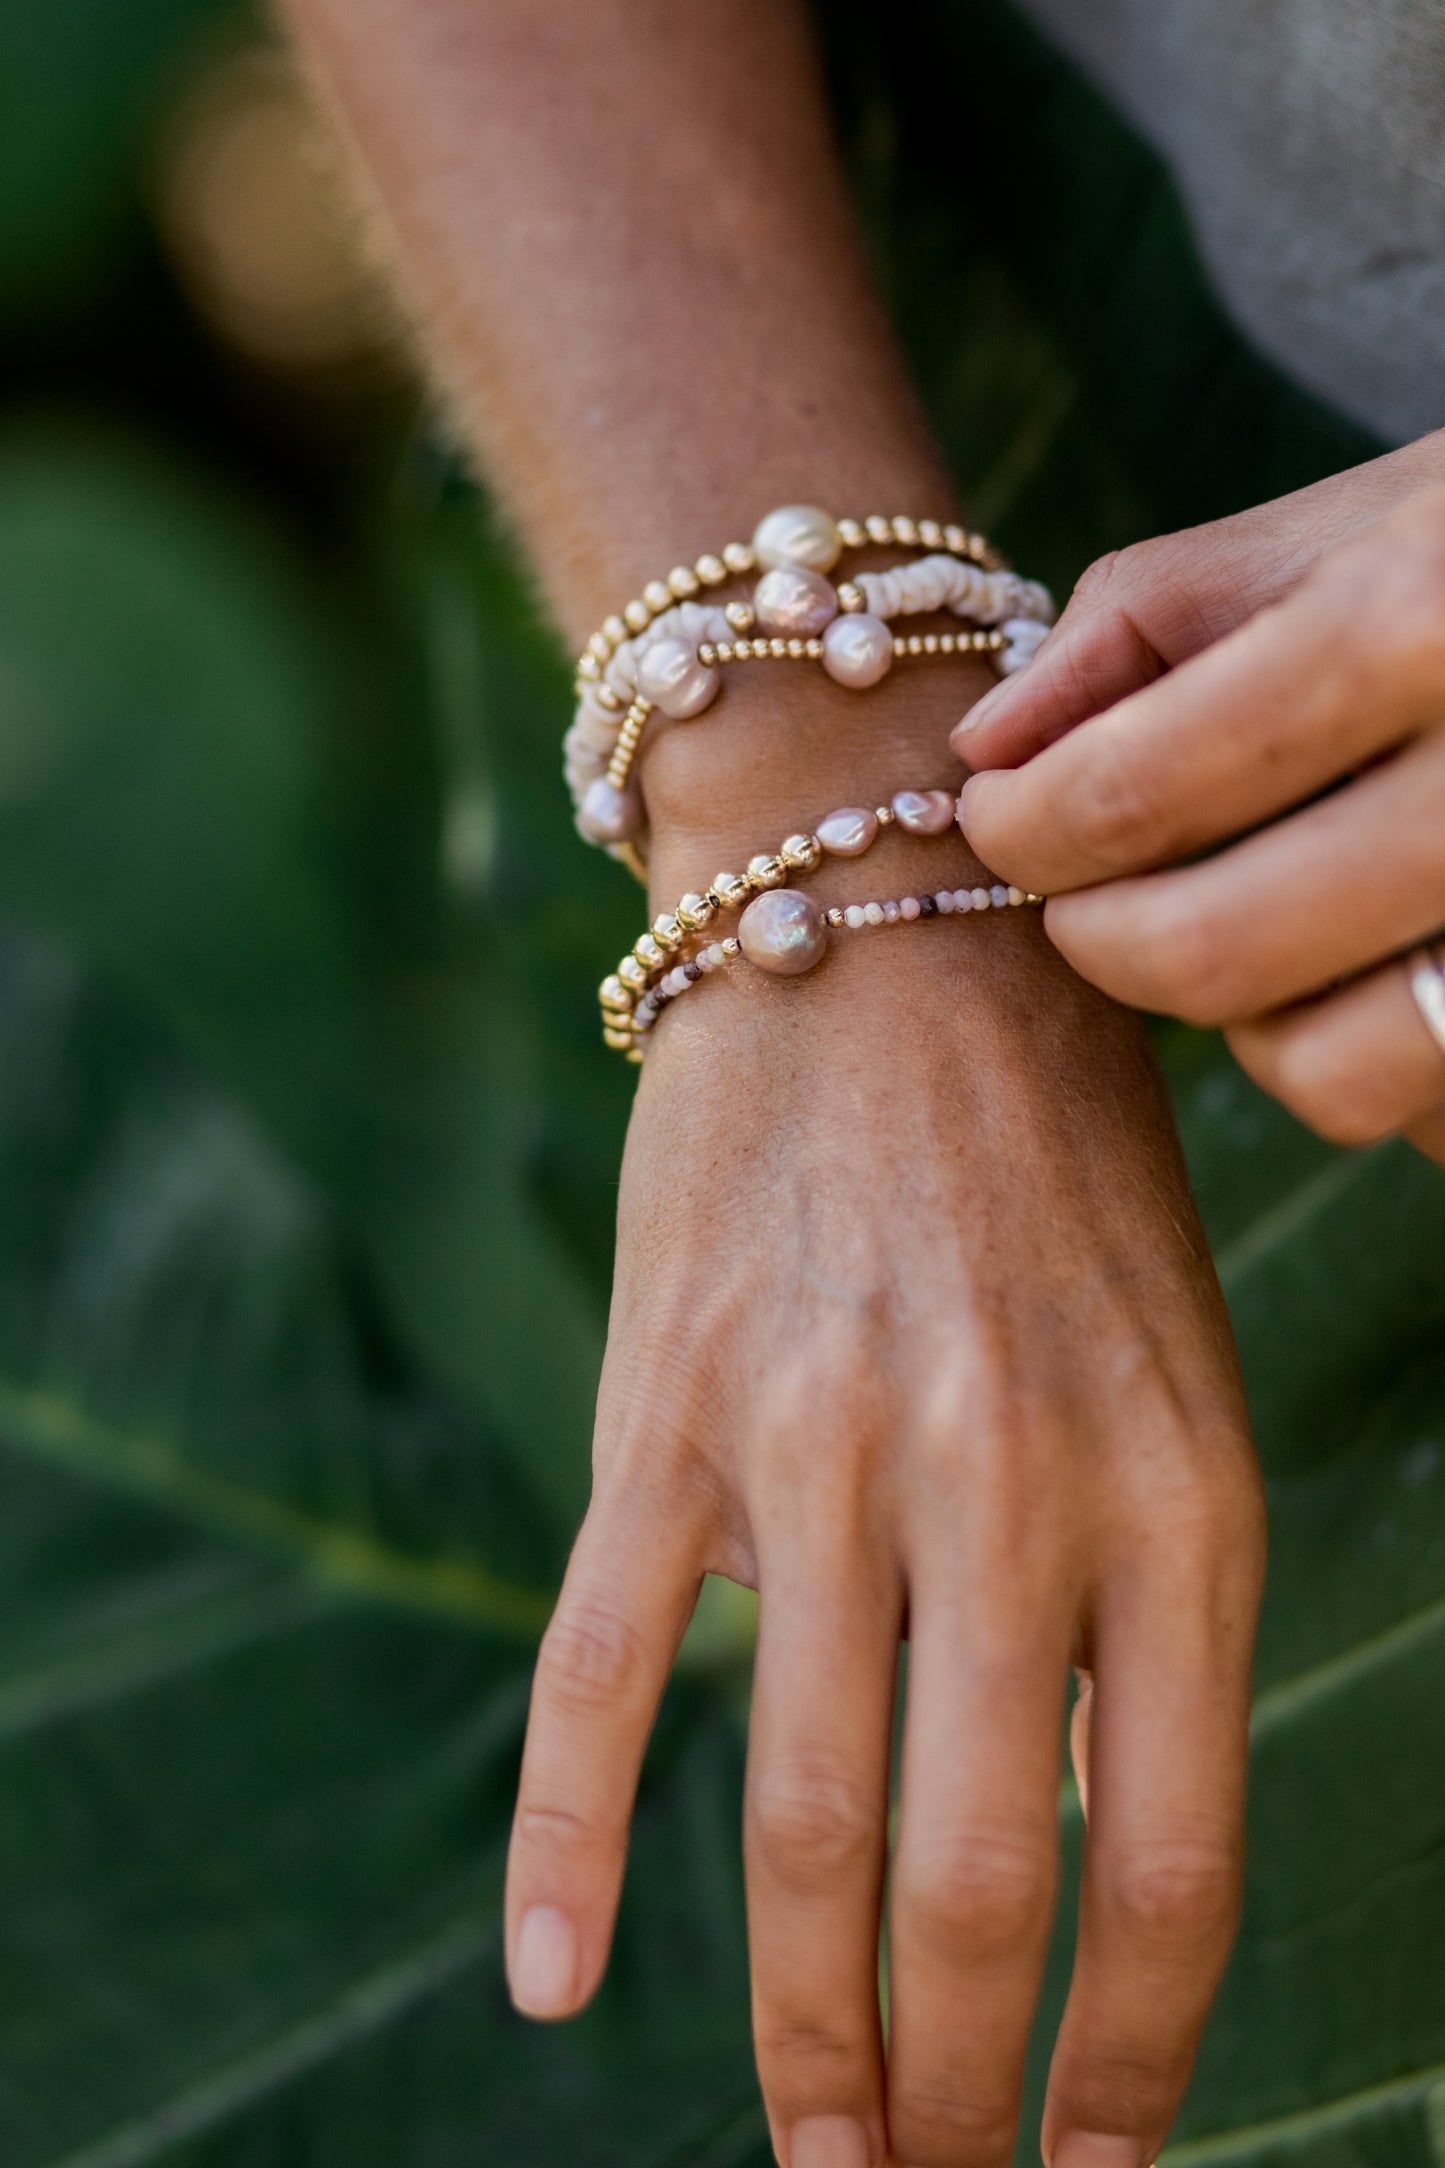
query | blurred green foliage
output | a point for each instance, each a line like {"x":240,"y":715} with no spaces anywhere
{"x":307,"y":1157}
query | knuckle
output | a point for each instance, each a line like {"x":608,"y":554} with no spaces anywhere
{"x":981,"y":1901}
{"x":1395,"y":580}
{"x":817,"y":2057}
{"x":813,"y":1828}
{"x":1119,"y":811}
{"x":591,"y":1658}
{"x":1103,"y":577}
{"x":1191,"y":968}
{"x":1343,"y":1101}
{"x":1175,"y":1895}
{"x":555,"y":1829}
{"x":933,"y":2128}
{"x":1131,"y":2085}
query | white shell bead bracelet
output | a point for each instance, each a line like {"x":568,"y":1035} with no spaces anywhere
{"x":663,"y":652}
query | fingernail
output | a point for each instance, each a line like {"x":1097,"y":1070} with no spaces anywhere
{"x":1092,"y":2149}
{"x":543,"y":1970}
{"x":829,"y":2141}
{"x":980,"y":712}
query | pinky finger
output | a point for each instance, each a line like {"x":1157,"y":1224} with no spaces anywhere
{"x":604,"y":1661}
{"x":1357,"y":1065}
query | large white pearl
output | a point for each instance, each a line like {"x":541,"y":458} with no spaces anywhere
{"x":609,"y":815}
{"x":858,"y":650}
{"x":848,"y":831}
{"x":671,"y":677}
{"x":783,"y":932}
{"x":924,"y":812}
{"x":798,"y":534}
{"x":793,"y":601}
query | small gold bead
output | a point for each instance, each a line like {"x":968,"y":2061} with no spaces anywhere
{"x":658,"y":596}
{"x":706,"y":652}
{"x":930,"y":643}
{"x":731,"y":889}
{"x":879,"y":528}
{"x":815,"y":650}
{"x":947,"y":644}
{"x":900,"y":644}
{"x":667,"y":931}
{"x":615,"y":629}
{"x":695,"y":911}
{"x":684,"y":582}
{"x":833,"y":916}
{"x":711,"y":570}
{"x":600,"y":646}
{"x":638,"y":615}
{"x":607,"y":698}
{"x":622,"y":1040}
{"x":915,"y":643}
{"x":797,"y":650}
{"x":851,"y":597}
{"x":883,"y":814}
{"x":631,"y":973}
{"x":743,"y":650}
{"x":851,"y":534}
{"x":634,"y":1055}
{"x":647,"y":951}
{"x":930,"y":534}
{"x":956,"y":540}
{"x":589,"y":667}
{"x":738,"y":557}
{"x":800,"y":854}
{"x":981,"y":552}
{"x":732,"y":947}
{"x":613,"y":994}
{"x":905,"y":530}
{"x":740,"y":616}
{"x":778,"y":649}
{"x":1030,"y":897}
{"x":765,"y":871}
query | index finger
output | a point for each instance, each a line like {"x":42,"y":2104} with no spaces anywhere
{"x":1265,"y":718}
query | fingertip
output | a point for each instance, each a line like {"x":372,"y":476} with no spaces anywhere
{"x":544,"y":1966}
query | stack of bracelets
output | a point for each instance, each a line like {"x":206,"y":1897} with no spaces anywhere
{"x":662,"y":656}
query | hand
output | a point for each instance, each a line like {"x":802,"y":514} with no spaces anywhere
{"x":1305,"y":649}
{"x":914,"y":1329}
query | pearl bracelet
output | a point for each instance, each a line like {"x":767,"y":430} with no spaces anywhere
{"x":845,"y":833}
{"x":664,"y":650}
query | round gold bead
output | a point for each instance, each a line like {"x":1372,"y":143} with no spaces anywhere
{"x":814,"y":650}
{"x":740,"y":616}
{"x":695,"y":911}
{"x":738,"y":557}
{"x":638,"y":615}
{"x":732,"y":889}
{"x":632,"y":974}
{"x":613,"y":994}
{"x":589,"y":667}
{"x":851,"y":597}
{"x":900,"y":643}
{"x":947,"y":644}
{"x":833,"y":916}
{"x":706,"y":652}
{"x":879,"y":528}
{"x":648,"y":952}
{"x":743,"y":650}
{"x":623,"y":1041}
{"x":883,"y":814}
{"x":930,"y":534}
{"x":797,"y":650}
{"x":711,"y":570}
{"x":778,"y":649}
{"x":915,"y":643}
{"x":600,"y":646}
{"x":851,"y":534}
{"x":724,"y":651}
{"x":930,"y":643}
{"x":956,"y":540}
{"x":683,"y":582}
{"x":615,"y":629}
{"x":607,"y":698}
{"x":800,"y":853}
{"x":905,"y":530}
{"x":658,"y":596}
{"x":766,"y":871}
{"x":732,"y":947}
{"x":634,"y":1055}
{"x":667,"y":931}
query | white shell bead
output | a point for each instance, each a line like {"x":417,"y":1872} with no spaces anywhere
{"x":858,"y":650}
{"x":873,"y":912}
{"x":848,"y":832}
{"x":609,"y":815}
{"x":853,"y":916}
{"x":671,"y":677}
{"x":794,"y":601}
{"x":782,"y":931}
{"x":924,"y":812}
{"x":797,"y":534}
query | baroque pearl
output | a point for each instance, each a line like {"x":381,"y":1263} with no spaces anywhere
{"x":848,"y":832}
{"x":671,"y":677}
{"x":797,"y":534}
{"x":924,"y":812}
{"x":858,"y":650}
{"x":609,"y":815}
{"x":783,"y":932}
{"x":794,"y":601}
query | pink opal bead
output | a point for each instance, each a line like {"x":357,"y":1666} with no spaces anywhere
{"x":782,"y":931}
{"x":925,"y":812}
{"x":910,"y":907}
{"x":847,"y":832}
{"x":609,"y":815}
{"x":858,"y":650}
{"x":795,"y":602}
{"x":671,"y":677}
